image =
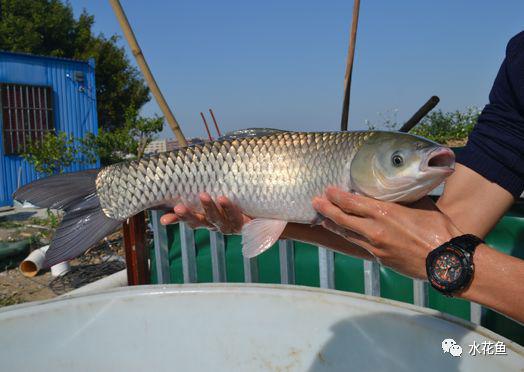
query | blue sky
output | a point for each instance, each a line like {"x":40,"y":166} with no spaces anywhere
{"x":281,"y":63}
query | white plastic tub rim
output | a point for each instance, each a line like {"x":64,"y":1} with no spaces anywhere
{"x":350,"y":332}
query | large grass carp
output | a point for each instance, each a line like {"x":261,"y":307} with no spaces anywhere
{"x":271,"y":176}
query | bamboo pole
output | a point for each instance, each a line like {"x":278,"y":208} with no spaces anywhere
{"x":141,"y":61}
{"x":349,"y":66}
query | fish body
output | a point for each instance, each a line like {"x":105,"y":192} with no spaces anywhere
{"x":272,"y":178}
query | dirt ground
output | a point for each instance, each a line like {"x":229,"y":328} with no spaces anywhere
{"x":36,"y":226}
{"x":16,"y":288}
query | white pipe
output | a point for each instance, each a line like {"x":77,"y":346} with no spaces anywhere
{"x":118,"y":279}
{"x":33,"y":263}
{"x":60,"y":269}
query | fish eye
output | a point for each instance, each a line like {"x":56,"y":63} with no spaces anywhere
{"x":397,"y":160}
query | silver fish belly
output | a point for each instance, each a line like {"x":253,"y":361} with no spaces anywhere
{"x":273,"y":176}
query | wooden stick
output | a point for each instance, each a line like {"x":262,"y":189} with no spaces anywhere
{"x":207,"y":127}
{"x":417,"y":116}
{"x":137,"y":254}
{"x":215,"y":121}
{"x":349,"y":66}
{"x":151,"y":82}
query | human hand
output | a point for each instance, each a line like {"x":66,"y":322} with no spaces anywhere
{"x":400,"y":237}
{"x":222,"y":215}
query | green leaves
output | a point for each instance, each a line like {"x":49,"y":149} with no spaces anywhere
{"x":451,"y":128}
{"x":444,"y":127}
{"x":52,"y":154}
{"x":128,"y":141}
{"x":58,"y":151}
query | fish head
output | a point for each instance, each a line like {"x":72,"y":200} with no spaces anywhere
{"x":399,"y":167}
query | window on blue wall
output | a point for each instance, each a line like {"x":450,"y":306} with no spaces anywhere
{"x":27,"y":115}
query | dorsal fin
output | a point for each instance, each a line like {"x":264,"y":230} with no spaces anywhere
{"x":250,"y":132}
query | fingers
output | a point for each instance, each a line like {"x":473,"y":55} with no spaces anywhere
{"x":235,"y":217}
{"x":168,"y":218}
{"x":354,"y":204}
{"x":357,"y":224}
{"x":349,"y":235}
{"x":222,"y":215}
{"x":212,"y":213}
{"x":337,"y":229}
{"x":194,"y":220}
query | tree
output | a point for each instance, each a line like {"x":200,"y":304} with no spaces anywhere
{"x":126,"y":142}
{"x":52,"y":154}
{"x":48,"y":27}
{"x":450,"y":128}
{"x":58,"y":151}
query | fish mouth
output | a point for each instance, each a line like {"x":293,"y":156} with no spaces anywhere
{"x":441,"y":159}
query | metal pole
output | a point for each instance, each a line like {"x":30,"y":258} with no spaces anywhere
{"x":251,"y":270}
{"x":188,"y":250}
{"x":287,"y":261}
{"x":141,"y":61}
{"x":215,"y":121}
{"x":417,"y":116}
{"x":349,"y":66}
{"x":326,"y":267}
{"x":475,"y":313}
{"x":218,"y":256}
{"x":161,"y":248}
{"x":420,"y":293}
{"x":207,"y":127}
{"x":371,"y":278}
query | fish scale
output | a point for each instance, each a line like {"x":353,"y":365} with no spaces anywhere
{"x":270,"y":176}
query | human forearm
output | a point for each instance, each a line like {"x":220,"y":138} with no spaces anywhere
{"x":497,"y":282}
{"x":319,"y":236}
{"x":473,"y":203}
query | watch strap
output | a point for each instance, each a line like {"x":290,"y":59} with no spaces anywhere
{"x":467,"y":242}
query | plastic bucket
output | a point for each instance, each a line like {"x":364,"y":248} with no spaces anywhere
{"x":239,"y":327}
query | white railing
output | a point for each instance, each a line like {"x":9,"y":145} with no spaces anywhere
{"x":326,"y":262}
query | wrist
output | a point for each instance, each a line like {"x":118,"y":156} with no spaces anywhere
{"x":480,"y":283}
{"x":444,"y":233}
{"x":453,"y":231}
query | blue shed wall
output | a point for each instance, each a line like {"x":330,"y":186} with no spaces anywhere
{"x":74,"y":107}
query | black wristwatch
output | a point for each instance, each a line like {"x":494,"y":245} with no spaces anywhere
{"x":450,"y":266}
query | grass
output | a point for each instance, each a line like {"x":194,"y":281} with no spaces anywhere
{"x":52,"y":220}
{"x":10,"y":224}
{"x":10,"y":299}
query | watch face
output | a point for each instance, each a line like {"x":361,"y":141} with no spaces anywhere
{"x":447,"y":267}
{"x":450,"y":267}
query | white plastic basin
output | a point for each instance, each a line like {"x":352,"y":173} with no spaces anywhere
{"x":238,"y":327}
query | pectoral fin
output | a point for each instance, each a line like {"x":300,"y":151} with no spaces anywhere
{"x":259,"y":235}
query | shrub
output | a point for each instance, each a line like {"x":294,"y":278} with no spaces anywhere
{"x":444,"y":127}
{"x":54,"y":153}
